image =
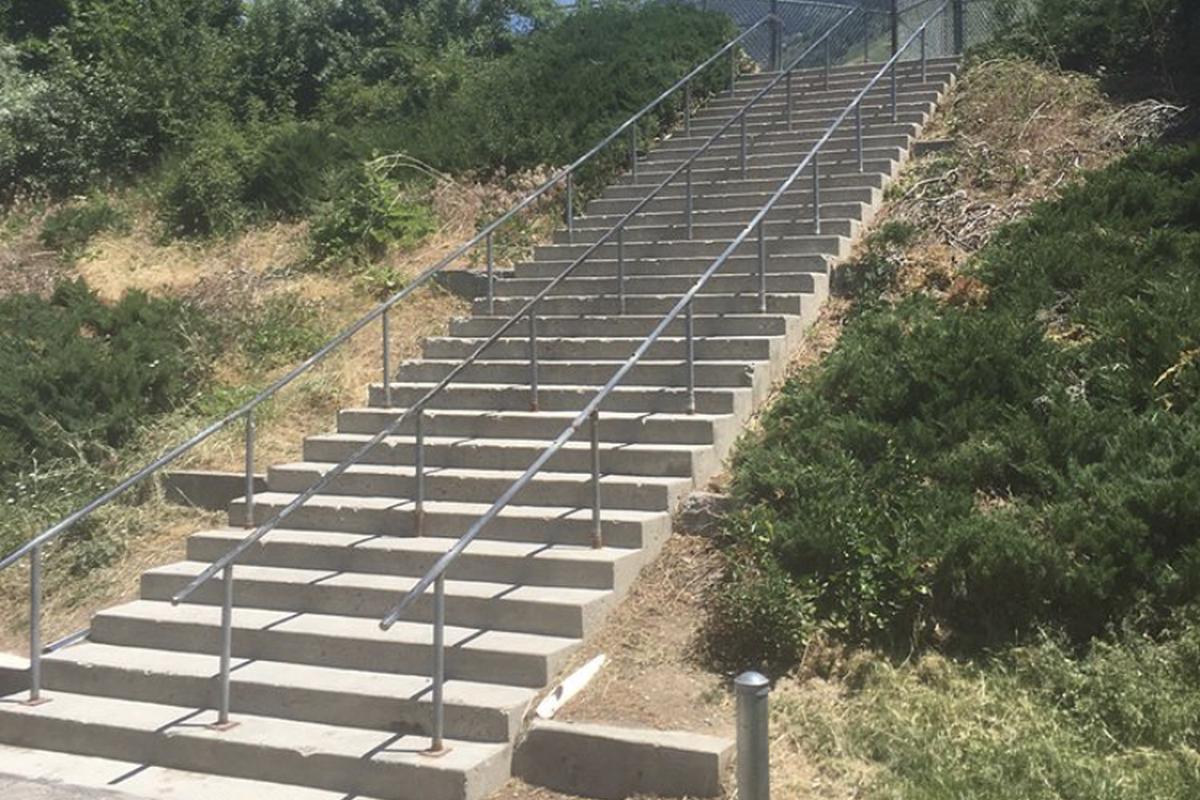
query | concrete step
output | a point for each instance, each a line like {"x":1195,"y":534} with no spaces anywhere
{"x":331,"y":515}
{"x":639,"y":285}
{"x":553,"y":611}
{"x":503,"y":398}
{"x":706,"y":348}
{"x":762,"y":187}
{"x":836,"y":158}
{"x":638,"y":492}
{"x":399,"y":553}
{"x":336,"y":758}
{"x":910,"y":108}
{"x":485,"y":712}
{"x":77,"y":775}
{"x":836,"y":98}
{"x":617,"y":427}
{"x":797,"y":139}
{"x":776,"y":226}
{"x":805,"y":304}
{"x":673,"y":224}
{"x":474,"y":654}
{"x":493,"y":453}
{"x":673,"y":200}
{"x":854,"y":74}
{"x":629,"y":325}
{"x":594,"y":372}
{"x":832,"y":244}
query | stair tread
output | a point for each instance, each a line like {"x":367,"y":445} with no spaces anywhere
{"x":535,"y":551}
{"x":478,"y":441}
{"x":544,"y":476}
{"x":459,"y":638}
{"x":308,"y":738}
{"x":70,"y":770}
{"x":385,"y":685}
{"x":477,"y":589}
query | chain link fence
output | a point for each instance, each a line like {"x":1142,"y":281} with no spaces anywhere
{"x":865,"y":36}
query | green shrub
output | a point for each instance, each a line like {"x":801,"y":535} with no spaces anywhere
{"x":69,"y":229}
{"x":369,"y":212}
{"x":202,"y":189}
{"x":291,"y":168}
{"x":968,"y":475}
{"x":565,"y":88}
{"x":81,"y":376}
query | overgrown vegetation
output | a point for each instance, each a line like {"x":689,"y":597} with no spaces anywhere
{"x":238,"y":113}
{"x":1120,"y":721}
{"x":964,"y":474}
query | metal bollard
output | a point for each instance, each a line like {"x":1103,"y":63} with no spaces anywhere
{"x":753,"y":745}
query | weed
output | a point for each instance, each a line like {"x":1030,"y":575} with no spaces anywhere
{"x":70,"y":228}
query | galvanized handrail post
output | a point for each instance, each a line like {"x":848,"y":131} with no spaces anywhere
{"x":895,"y":93}
{"x":687,"y":108}
{"x":828,"y":64}
{"x":743,"y":156}
{"x":387,"y":358}
{"x":858,"y":124}
{"x":35,"y":626}
{"x":753,"y":737}
{"x":816,"y":191}
{"x":924,"y":58}
{"x":491,"y":278}
{"x":787,"y":81}
{"x":570,"y":212}
{"x":250,"y":468}
{"x":533,"y":360}
{"x":762,"y":267}
{"x":621,"y":269}
{"x":633,"y":151}
{"x":438,"y":743}
{"x":419,"y":473}
{"x":691,"y":359}
{"x":594,"y":432}
{"x":688,"y":202}
{"x":226,"y":646}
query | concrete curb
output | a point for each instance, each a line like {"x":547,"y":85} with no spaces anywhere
{"x":611,"y":763}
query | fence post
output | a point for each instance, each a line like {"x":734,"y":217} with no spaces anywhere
{"x":753,"y":745}
{"x":959,"y":15}
{"x":895,"y":26}
{"x":776,"y":38}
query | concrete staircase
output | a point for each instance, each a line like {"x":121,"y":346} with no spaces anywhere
{"x":329,"y":706}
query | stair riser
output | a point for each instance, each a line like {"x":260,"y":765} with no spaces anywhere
{"x":470,"y":566}
{"x":479,"y":455}
{"x":798,"y":142}
{"x":760,"y":187}
{"x":513,"y":669}
{"x":842,"y":150}
{"x":202,"y":750}
{"x":840,"y":77}
{"x":774,"y":106}
{"x":616,"y":492}
{"x":641,"y":326}
{"x":673,"y":201}
{"x":504,"y":614}
{"x":801,"y":245}
{"x":768,"y":137}
{"x":557,"y":373}
{"x":551,"y":398}
{"x":398,"y":714}
{"x":705,"y":348}
{"x":693,"y":431}
{"x":914,"y":108}
{"x":718,"y":284}
{"x":795,"y":225}
{"x":673,"y":224}
{"x":642,"y":305}
{"x":672,"y":267}
{"x":576,"y":531}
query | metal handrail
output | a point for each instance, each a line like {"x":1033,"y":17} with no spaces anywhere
{"x":246,"y":413}
{"x":590,"y":413}
{"x":526,"y":311}
{"x":225,"y":563}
